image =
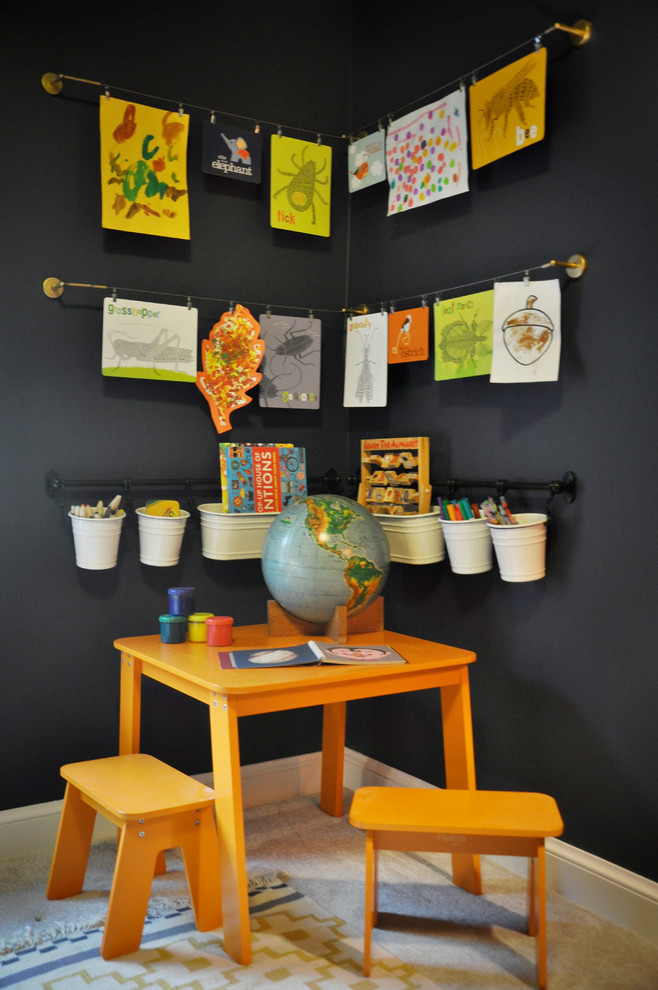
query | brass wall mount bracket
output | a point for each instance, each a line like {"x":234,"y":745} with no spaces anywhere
{"x":579,"y":34}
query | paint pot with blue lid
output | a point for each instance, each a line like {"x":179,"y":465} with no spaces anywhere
{"x":181,"y":601}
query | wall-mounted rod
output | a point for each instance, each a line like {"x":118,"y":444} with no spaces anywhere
{"x":566,"y":487}
{"x":59,"y":486}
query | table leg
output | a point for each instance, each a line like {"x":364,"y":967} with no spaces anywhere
{"x":230,"y":825}
{"x":333,"y":757}
{"x":130,"y":704}
{"x":460,"y":767}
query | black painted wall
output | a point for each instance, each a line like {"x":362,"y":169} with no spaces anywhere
{"x":565,"y":685}
{"x":564,"y":689}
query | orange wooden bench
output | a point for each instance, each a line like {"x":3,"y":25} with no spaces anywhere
{"x":504,"y":823}
{"x":155,"y":808}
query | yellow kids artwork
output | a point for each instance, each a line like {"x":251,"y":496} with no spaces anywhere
{"x":508,"y":109}
{"x":300,"y":186}
{"x":144,"y":169}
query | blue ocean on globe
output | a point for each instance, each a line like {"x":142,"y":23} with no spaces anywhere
{"x":325,"y":551}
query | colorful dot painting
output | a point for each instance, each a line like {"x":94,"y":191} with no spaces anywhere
{"x":427,"y":154}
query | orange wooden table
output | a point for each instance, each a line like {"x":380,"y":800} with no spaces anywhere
{"x":193,"y":669}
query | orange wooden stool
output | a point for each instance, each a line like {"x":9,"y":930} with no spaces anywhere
{"x":503,"y":823}
{"x":155,"y":808}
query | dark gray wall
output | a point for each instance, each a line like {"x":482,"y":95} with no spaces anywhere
{"x":564,"y":687}
{"x":270,"y":62}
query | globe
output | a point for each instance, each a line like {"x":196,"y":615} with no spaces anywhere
{"x":324,"y":551}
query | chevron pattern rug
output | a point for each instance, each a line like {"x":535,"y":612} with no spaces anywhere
{"x":295,"y":944}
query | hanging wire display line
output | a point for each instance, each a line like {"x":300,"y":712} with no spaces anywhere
{"x":574,"y":268}
{"x":54,"y":287}
{"x":53,"y":83}
{"x":579,"y":35}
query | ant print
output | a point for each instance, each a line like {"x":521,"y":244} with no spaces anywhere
{"x":508,"y":109}
{"x":300,"y":194}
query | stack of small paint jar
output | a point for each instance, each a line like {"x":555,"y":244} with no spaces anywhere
{"x":182,"y":623}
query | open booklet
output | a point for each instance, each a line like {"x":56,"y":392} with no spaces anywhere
{"x":364,"y":654}
{"x":306,"y":654}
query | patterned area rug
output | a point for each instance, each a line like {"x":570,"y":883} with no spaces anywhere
{"x":295,"y":944}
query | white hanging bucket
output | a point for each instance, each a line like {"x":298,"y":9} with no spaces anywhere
{"x":96,"y":541}
{"x":232,"y":535}
{"x":414,"y":539}
{"x":521,"y":549}
{"x":160,"y":537}
{"x":468,"y":543}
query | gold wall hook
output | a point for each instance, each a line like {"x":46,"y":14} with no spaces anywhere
{"x":579,"y":34}
{"x":53,"y":287}
{"x":575,"y":266}
{"x":359,"y":310}
{"x":52,"y":83}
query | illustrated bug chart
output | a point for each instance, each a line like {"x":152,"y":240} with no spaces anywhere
{"x":366,"y":361}
{"x":300,"y":185}
{"x":149,"y":340}
{"x":144,"y":169}
{"x":291,"y":363}
{"x":463,"y":330}
{"x":507,"y":109}
{"x":427,"y":154}
{"x":527,"y":331}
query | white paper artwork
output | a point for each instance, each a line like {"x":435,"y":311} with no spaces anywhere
{"x":366,"y":360}
{"x":526,"y":335}
{"x":427,"y":154}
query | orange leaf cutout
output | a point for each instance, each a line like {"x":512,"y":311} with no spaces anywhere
{"x":230,"y":358}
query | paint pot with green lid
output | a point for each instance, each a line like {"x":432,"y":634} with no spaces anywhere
{"x":173,"y":628}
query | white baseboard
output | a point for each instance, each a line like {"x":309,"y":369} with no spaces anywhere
{"x":623,"y":897}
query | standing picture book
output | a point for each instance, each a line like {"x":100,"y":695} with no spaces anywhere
{"x":261,"y":477}
{"x":395,"y":476}
{"x":365,"y":653}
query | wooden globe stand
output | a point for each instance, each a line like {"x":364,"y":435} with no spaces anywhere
{"x":280,"y":622}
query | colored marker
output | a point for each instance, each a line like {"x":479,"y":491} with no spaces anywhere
{"x":509,"y":515}
{"x":466,"y":509}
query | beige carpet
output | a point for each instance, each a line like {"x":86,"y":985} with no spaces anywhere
{"x":449,"y":938}
{"x":455,"y":938}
